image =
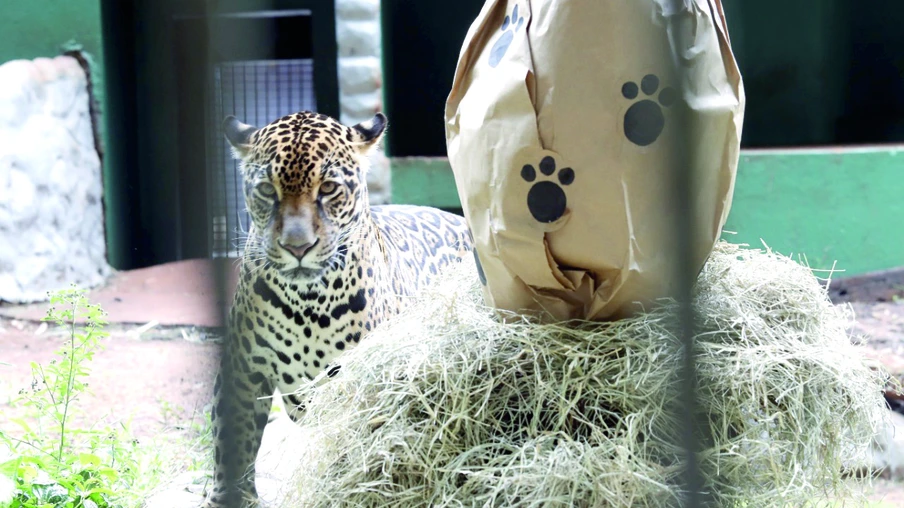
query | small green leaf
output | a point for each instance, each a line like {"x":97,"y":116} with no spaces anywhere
{"x":99,"y":492}
{"x":108,"y":472}
{"x":28,"y":473}
{"x":53,"y":493}
{"x":10,"y":468}
{"x":88,"y":459}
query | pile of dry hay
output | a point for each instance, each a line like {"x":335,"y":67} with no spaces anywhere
{"x":447,"y":406}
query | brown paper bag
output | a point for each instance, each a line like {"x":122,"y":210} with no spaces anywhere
{"x":556,"y":129}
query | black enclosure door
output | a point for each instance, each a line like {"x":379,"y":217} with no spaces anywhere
{"x":421,"y":43}
{"x":175,"y":69}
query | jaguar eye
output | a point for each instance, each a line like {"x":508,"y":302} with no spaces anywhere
{"x":327,"y":188}
{"x":267,"y":189}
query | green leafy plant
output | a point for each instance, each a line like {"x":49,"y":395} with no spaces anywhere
{"x":50,"y":462}
{"x":51,"y":459}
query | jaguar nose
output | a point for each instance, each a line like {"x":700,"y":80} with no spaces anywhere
{"x":298,"y":250}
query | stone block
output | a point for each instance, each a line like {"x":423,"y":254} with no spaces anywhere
{"x":361,"y":80}
{"x":379,"y":178}
{"x":51,"y":191}
{"x":358,"y":9}
{"x":360,"y":75}
{"x":360,"y":107}
{"x":358,"y":38}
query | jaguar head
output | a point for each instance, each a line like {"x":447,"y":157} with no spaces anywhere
{"x":305,"y":187}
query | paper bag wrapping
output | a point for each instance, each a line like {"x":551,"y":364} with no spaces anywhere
{"x":557,"y":130}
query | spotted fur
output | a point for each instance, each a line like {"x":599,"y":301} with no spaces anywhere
{"x":321,"y":269}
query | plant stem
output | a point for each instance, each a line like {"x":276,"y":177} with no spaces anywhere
{"x":44,"y":382}
{"x":68,"y":381}
{"x":29,"y":444}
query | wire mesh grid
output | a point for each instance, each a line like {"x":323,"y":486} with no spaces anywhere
{"x":256,"y":92}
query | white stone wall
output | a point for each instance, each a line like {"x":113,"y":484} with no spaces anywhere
{"x":51,"y":213}
{"x":361,"y":78}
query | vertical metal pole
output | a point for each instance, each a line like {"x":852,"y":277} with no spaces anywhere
{"x":681,"y":210}
{"x":223,"y":267}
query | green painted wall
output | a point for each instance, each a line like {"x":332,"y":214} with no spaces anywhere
{"x":46,"y":28}
{"x":36,"y":28}
{"x":844,"y":205}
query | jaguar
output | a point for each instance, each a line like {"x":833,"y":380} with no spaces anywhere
{"x":321,"y":268}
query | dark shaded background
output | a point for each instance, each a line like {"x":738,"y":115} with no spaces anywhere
{"x":816,"y":72}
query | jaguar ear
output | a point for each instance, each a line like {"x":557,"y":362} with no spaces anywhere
{"x":368,"y":134}
{"x":239,"y":136}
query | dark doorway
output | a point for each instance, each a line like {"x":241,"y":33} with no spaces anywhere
{"x":175,"y":70}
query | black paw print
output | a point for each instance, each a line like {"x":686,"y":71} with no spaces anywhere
{"x":505,"y":40}
{"x":644,"y":120}
{"x":546,"y":199}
